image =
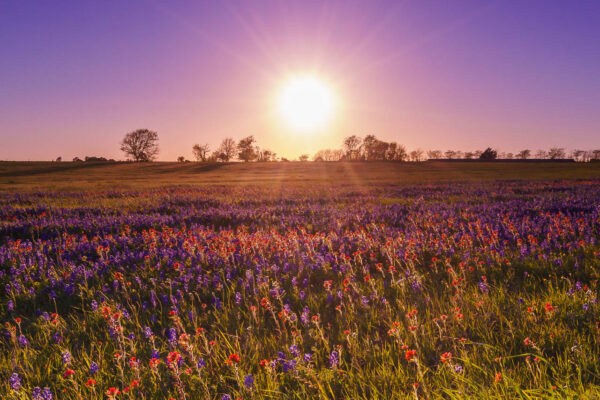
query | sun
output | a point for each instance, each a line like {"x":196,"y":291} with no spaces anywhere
{"x":306,"y":103}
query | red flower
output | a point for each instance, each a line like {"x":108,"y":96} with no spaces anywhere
{"x":90,"y":382}
{"x":173,"y":357}
{"x":410,"y":354}
{"x":68,"y":373}
{"x":112,"y":392}
{"x":549,"y":307}
{"x":447,"y":356}
{"x":234,"y":358}
{"x":263,"y":363}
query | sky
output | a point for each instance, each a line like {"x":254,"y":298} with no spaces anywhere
{"x":76,"y":76}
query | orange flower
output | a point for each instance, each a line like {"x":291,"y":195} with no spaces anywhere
{"x":409,"y":354}
{"x":498,"y":377}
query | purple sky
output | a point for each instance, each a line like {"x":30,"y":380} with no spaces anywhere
{"x":75,"y":76}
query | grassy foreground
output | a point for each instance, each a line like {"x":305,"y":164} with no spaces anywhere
{"x":342,"y":285}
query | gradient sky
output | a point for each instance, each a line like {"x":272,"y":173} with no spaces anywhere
{"x":75,"y":76}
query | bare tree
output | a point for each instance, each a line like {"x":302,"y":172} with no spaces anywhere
{"x":227,"y":149}
{"x":416,"y":155}
{"x":595,"y":155}
{"x":352,"y":146}
{"x":524,"y":154}
{"x":450,"y":154}
{"x":434,"y":154}
{"x":556,"y":152}
{"x":469,"y":155}
{"x":541,"y":154}
{"x":578,"y":155}
{"x":303,"y":157}
{"x":265,"y":155}
{"x":200,"y":152}
{"x":140,"y":145}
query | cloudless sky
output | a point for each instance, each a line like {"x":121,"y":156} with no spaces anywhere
{"x":75,"y":76}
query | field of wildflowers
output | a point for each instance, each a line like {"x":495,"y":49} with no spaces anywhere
{"x":478,"y":290}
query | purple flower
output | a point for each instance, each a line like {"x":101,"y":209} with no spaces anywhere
{"x":483,"y":287}
{"x":172,"y":335}
{"x":15,"y":382}
{"x":294,"y":350}
{"x":148,"y":332}
{"x":66,"y":357}
{"x":307,"y":357}
{"x":226,"y":397}
{"x":334,"y":359}
{"x":93,"y":368}
{"x":23,"y":341}
{"x":248,"y":381}
{"x":201,"y":363}
{"x":36,"y":393}
{"x":47,"y":394}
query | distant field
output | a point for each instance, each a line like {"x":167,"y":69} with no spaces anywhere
{"x":67,"y":176}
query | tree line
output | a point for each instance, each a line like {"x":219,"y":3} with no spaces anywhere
{"x":142,"y":145}
{"x":370,"y":148}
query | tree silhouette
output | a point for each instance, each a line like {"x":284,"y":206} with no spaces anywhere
{"x":488,"y":154}
{"x":246,"y":150}
{"x":227,"y":149}
{"x":200,"y":152}
{"x":140,"y":145}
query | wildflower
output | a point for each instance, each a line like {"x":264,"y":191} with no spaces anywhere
{"x":447,"y":356}
{"x":15,"y":382}
{"x":334,"y":359}
{"x":549,"y":307}
{"x":294,"y":350}
{"x":201,"y":363}
{"x":23,"y":341}
{"x":68,"y":373}
{"x":234,"y":358}
{"x":173,"y":357}
{"x":498,"y":377}
{"x":248,"y":381}
{"x":90,"y":382}
{"x":263,"y":363}
{"x":527,"y":342}
{"x":148,"y":332}
{"x":409,"y":354}
{"x":66,"y":357}
{"x":93,"y":368}
{"x":46,"y":394}
{"x":112,"y":392}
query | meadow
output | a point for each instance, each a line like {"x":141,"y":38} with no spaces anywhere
{"x":299,"y":281}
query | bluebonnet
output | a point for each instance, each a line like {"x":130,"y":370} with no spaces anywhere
{"x":15,"y":382}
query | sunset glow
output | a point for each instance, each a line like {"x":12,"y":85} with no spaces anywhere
{"x":306,"y":104}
